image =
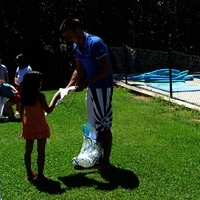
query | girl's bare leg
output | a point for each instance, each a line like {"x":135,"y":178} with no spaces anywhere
{"x":41,"y":143}
{"x":27,"y":155}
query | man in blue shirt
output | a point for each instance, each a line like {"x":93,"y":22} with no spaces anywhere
{"x":92,"y":56}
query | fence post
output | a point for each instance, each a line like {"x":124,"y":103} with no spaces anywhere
{"x":126,"y":62}
{"x":170,"y":72}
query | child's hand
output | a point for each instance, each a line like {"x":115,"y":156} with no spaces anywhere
{"x":65,"y":91}
{"x":23,"y":119}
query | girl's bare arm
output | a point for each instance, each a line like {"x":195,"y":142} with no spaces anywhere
{"x":48,"y":108}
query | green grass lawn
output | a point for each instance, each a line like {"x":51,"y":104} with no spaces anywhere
{"x":155,"y":153}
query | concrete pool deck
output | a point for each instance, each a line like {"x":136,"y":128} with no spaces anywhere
{"x":188,"y":99}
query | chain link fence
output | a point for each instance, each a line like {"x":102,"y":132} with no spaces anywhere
{"x":169,"y":73}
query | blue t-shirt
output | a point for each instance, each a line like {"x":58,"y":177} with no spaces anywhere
{"x":6,"y":91}
{"x":93,"y":49}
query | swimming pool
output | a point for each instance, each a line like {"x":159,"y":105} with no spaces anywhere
{"x":196,"y":76}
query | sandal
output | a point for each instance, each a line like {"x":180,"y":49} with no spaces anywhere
{"x":42,"y":178}
{"x":31,"y":176}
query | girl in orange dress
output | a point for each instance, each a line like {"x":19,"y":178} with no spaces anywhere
{"x":35,"y":126}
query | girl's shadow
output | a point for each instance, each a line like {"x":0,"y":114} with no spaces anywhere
{"x":48,"y":186}
{"x":114,"y":177}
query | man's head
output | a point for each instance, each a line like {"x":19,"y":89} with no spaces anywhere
{"x":72,"y":29}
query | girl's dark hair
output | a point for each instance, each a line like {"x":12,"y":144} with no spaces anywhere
{"x":21,"y":61}
{"x":30,"y":88}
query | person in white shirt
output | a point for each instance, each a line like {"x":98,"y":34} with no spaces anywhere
{"x":3,"y":76}
{"x":22,"y":69}
{"x":3,"y":71}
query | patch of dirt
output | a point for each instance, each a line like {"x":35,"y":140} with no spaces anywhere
{"x":142,"y":97}
{"x":196,"y":120}
{"x":171,"y":108}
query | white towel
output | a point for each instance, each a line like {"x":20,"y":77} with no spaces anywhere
{"x":64,"y":92}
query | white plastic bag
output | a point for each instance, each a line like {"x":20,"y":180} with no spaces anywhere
{"x":91,"y":151}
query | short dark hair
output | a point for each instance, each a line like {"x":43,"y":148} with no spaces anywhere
{"x":22,"y":61}
{"x":70,"y":23}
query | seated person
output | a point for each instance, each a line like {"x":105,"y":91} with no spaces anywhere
{"x":9,"y":91}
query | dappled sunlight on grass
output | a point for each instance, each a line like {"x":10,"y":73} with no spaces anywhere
{"x":155,"y":149}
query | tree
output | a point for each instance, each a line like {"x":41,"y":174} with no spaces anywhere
{"x":32,"y":27}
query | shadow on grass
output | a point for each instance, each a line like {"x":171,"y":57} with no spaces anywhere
{"x":49,"y":186}
{"x":117,"y":177}
{"x":114,"y":177}
{"x":13,"y":120}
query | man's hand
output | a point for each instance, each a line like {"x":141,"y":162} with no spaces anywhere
{"x":81,"y":86}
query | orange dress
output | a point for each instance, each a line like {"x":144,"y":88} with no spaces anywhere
{"x":36,"y":126}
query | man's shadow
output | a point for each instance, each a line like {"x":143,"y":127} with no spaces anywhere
{"x":117,"y":177}
{"x":114,"y":177}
